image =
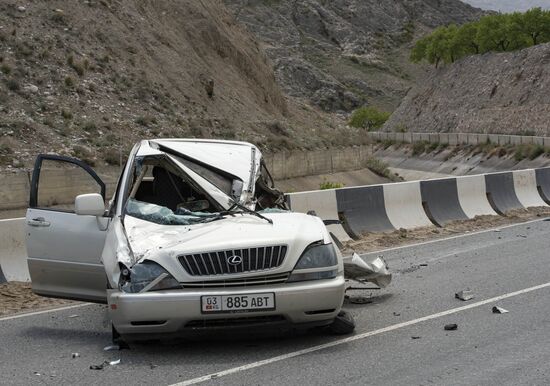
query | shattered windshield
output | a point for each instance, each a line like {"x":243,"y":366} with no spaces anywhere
{"x":165,"y":216}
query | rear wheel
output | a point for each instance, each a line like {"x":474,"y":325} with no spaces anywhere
{"x":343,"y":324}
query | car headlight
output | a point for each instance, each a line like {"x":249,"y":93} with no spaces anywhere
{"x":314,"y":257}
{"x":146,"y":276}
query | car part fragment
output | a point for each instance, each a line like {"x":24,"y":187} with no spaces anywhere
{"x":464,"y":295}
{"x":372,"y":269}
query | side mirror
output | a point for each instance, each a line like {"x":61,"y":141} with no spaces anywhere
{"x":89,"y":204}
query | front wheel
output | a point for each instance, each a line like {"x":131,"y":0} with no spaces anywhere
{"x":117,"y":338}
{"x":343,"y":324}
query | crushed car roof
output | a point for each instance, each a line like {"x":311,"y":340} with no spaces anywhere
{"x":236,"y":158}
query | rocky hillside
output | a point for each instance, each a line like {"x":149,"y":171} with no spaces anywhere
{"x":492,"y":93}
{"x":88,"y":78}
{"x":340,"y":54}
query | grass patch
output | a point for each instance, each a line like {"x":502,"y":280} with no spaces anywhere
{"x":330,"y":185}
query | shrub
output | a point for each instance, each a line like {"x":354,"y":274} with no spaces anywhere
{"x":13,"y":85}
{"x":66,"y":114}
{"x":368,"y":118}
{"x":432,"y":146}
{"x":536,"y":151}
{"x":111,"y":156}
{"x":5,"y":68}
{"x":84,"y":154}
{"x":381,"y":168}
{"x":330,"y":185}
{"x":89,"y":127}
{"x":69,"y":82}
{"x":387,"y":143}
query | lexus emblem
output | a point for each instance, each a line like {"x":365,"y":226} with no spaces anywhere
{"x":235,"y":260}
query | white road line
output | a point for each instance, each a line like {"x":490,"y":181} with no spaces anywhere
{"x":357,"y":337}
{"x":453,"y":237}
{"x":17,"y":316}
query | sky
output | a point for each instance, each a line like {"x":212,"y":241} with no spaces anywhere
{"x":509,"y":5}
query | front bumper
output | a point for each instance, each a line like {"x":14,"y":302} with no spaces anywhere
{"x":174,"y":311}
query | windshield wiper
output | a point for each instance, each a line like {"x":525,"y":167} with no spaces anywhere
{"x":250,"y":211}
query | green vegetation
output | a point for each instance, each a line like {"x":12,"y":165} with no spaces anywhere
{"x":381,"y":168}
{"x":492,"y":33}
{"x":5,"y":68}
{"x":530,"y":151}
{"x":69,"y":82}
{"x":419,"y":147}
{"x":369,"y":118}
{"x":330,"y":185}
{"x":66,"y":114}
{"x":13,"y":85}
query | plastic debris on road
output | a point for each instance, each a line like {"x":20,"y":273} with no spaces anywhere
{"x":499,"y":310}
{"x":372,"y":269}
{"x":104,"y":364}
{"x":75,"y":355}
{"x":113,"y":347}
{"x":464,"y":295}
{"x":451,"y":327}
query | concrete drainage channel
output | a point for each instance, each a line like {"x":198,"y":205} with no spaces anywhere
{"x":375,"y":208}
{"x":436,"y":202}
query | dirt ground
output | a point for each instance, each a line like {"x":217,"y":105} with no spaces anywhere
{"x":371,"y":242}
{"x":17,"y":297}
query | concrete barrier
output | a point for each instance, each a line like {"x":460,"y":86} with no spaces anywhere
{"x":525,"y":185}
{"x":453,"y":139}
{"x":403,"y":203}
{"x":13,"y":252}
{"x":363,"y":210}
{"x":472,"y":196}
{"x":538,"y":141}
{"x":501,"y":192}
{"x":440,"y":201}
{"x":543,"y":183}
{"x":462,"y":138}
{"x":493,"y":138}
{"x":323,"y":202}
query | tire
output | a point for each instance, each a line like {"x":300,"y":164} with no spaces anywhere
{"x":117,"y":338}
{"x":343,"y":324}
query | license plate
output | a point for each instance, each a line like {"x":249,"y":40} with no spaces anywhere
{"x":237,"y":303}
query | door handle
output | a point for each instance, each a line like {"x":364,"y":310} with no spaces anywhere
{"x":38,"y":222}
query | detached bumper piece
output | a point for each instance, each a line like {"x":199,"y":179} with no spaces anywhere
{"x":371,"y":269}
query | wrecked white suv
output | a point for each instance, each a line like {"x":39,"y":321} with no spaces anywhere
{"x":195,"y":237}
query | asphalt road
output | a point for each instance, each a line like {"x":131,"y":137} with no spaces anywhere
{"x":509,"y":268}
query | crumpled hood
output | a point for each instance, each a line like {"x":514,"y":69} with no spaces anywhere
{"x":164,"y":243}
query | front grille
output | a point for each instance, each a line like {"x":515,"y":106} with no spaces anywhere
{"x":235,"y":322}
{"x":216,"y":263}
{"x":243,"y":282}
